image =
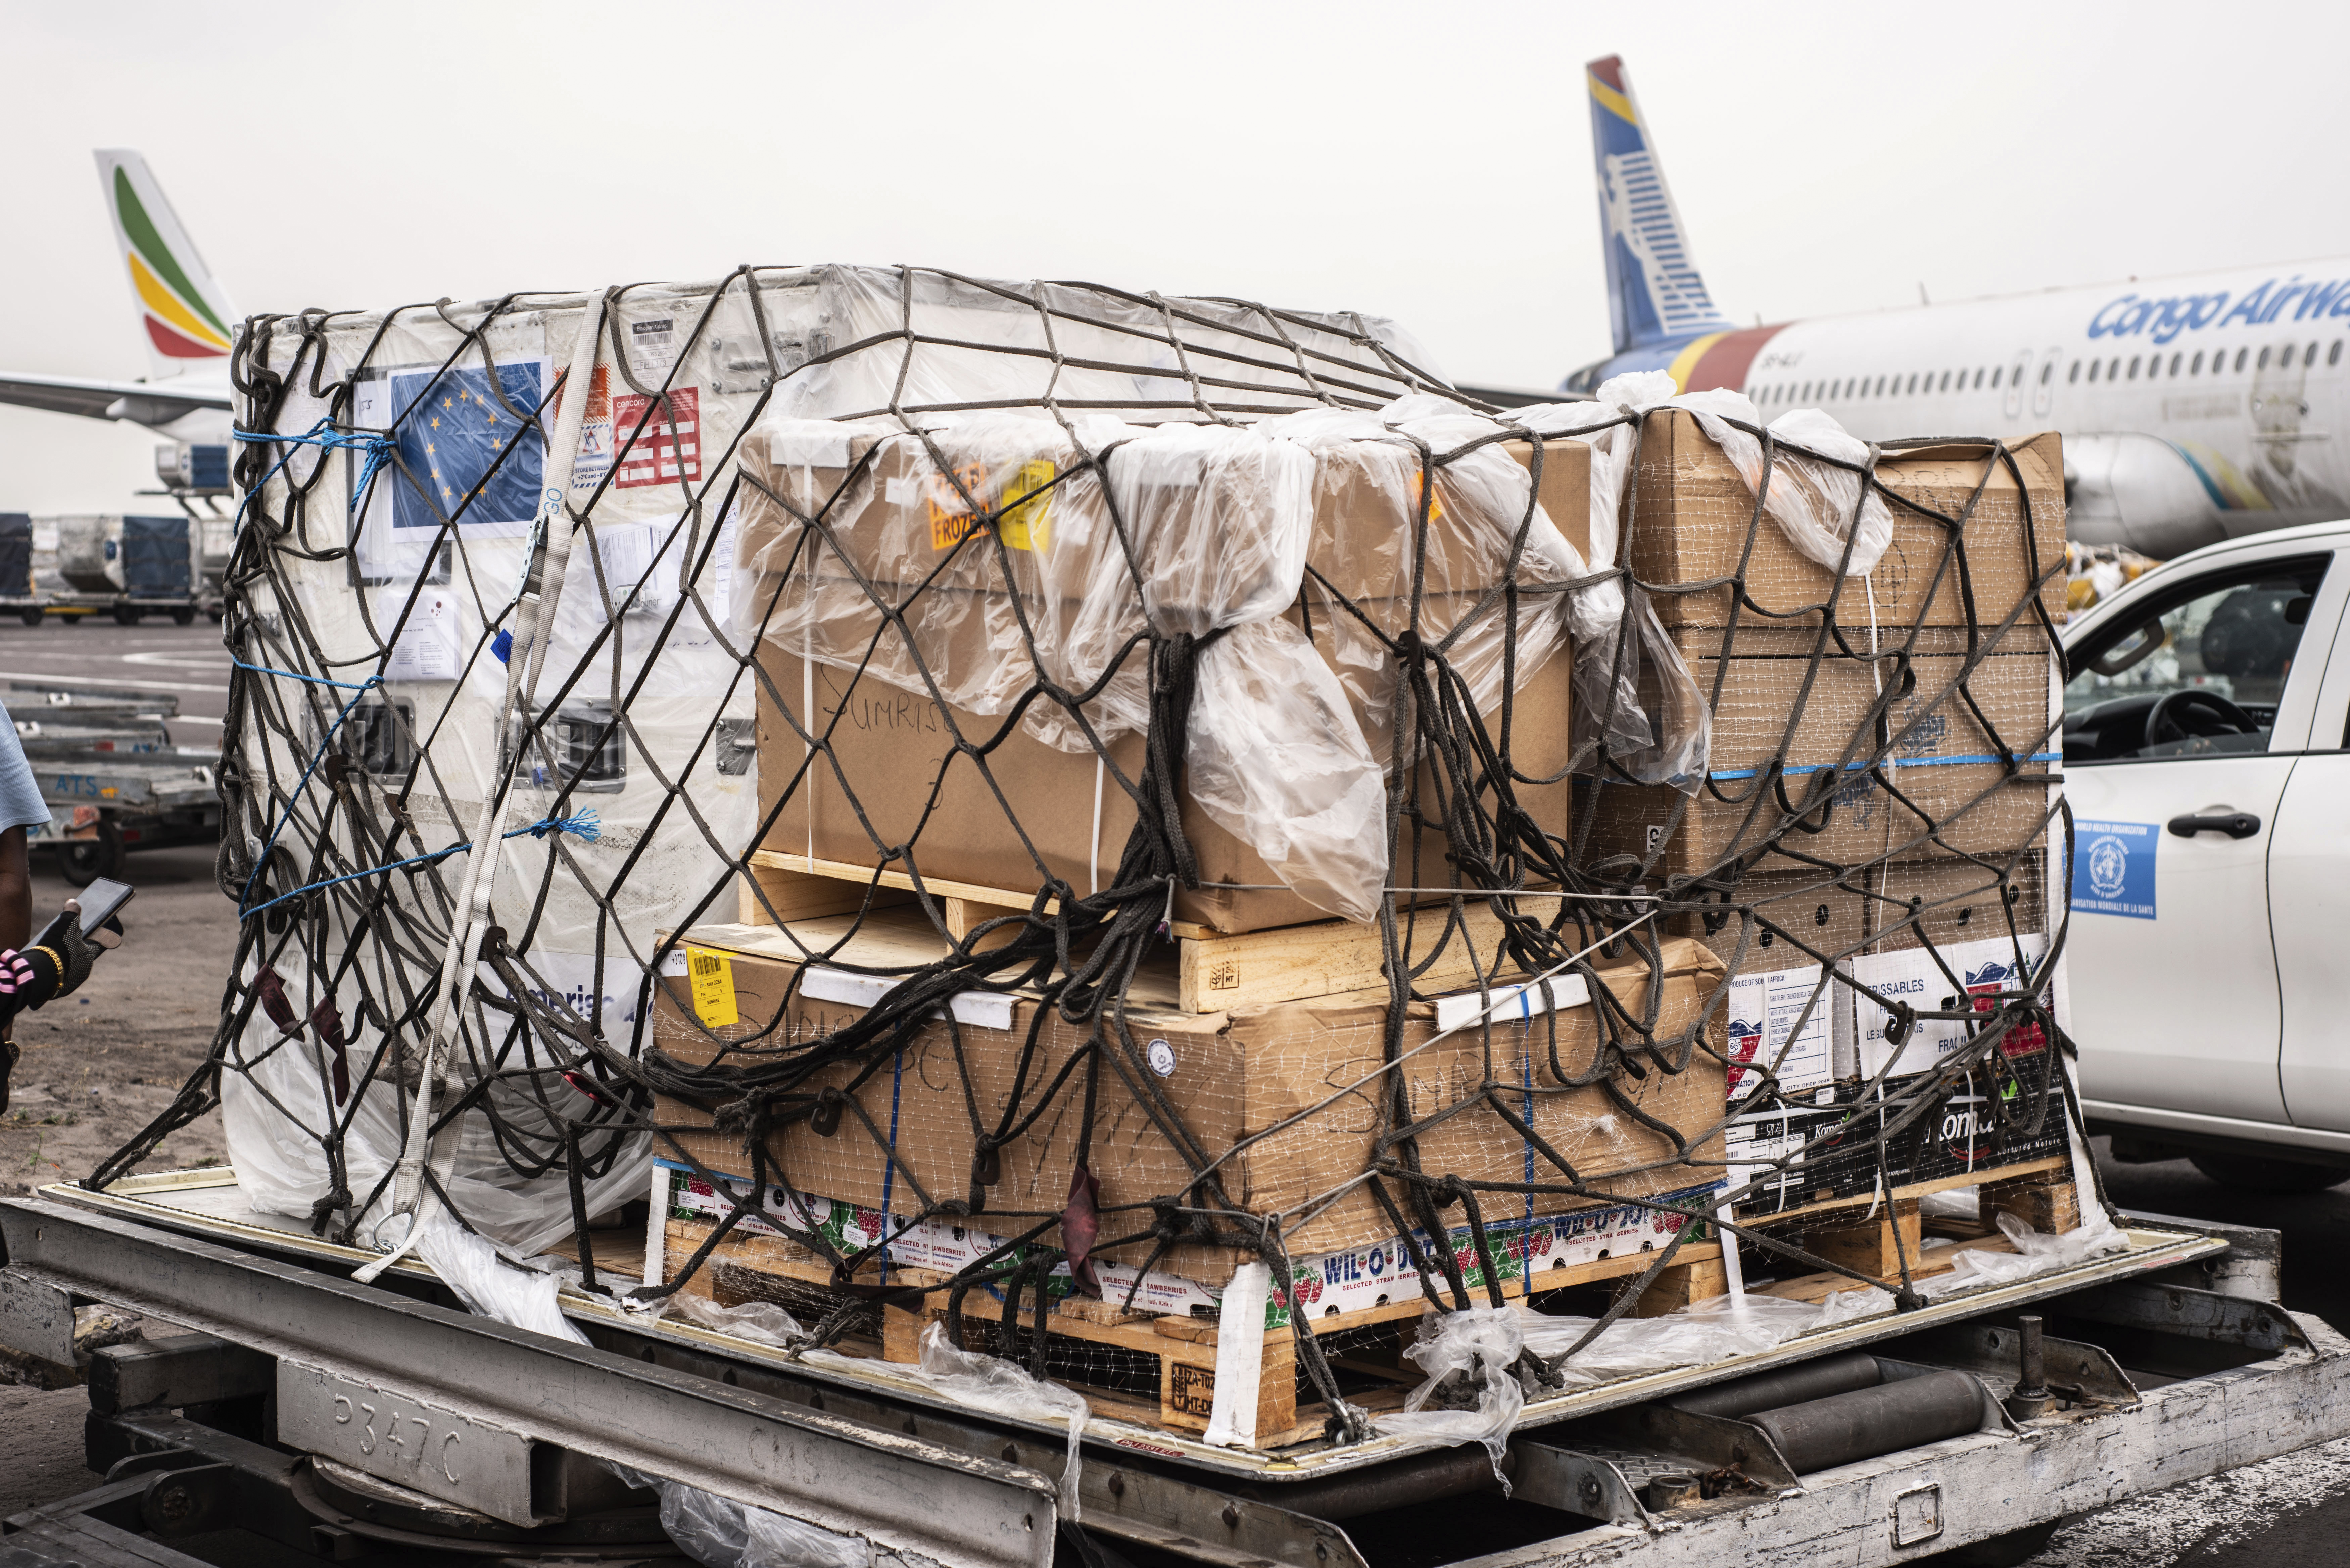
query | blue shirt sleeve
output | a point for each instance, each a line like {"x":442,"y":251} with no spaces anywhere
{"x":20,"y":794}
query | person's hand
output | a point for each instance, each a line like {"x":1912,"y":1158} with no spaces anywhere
{"x":76,"y":951}
{"x":23,"y":978}
{"x":60,"y":968}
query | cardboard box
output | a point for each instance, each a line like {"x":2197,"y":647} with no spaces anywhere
{"x":896,"y":515}
{"x":1823,"y":919}
{"x":1225,"y":1077}
{"x":1693,"y":513}
{"x":1772,"y":702}
{"x":891,"y":780}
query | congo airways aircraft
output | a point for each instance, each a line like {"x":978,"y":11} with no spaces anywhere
{"x":2193,"y":410}
{"x":188,"y":320}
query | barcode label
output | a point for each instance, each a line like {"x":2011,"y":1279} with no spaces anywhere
{"x":712,"y":975}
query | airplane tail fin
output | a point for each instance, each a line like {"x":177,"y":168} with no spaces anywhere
{"x":1655,"y":293}
{"x":187,"y":316}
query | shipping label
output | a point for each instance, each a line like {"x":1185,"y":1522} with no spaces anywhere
{"x":669,"y":446}
{"x":1984,"y":969}
{"x":1783,"y":1017}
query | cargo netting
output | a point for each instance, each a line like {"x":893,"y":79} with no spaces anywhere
{"x":583,"y":642}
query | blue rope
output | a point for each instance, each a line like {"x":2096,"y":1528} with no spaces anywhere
{"x":357,"y":691}
{"x":1796,"y":770}
{"x":313,"y":679}
{"x":326,"y":437}
{"x":580,"y":824}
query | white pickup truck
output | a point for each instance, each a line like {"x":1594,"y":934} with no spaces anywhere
{"x":2206,"y":758}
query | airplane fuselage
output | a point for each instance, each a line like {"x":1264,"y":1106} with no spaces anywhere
{"x":2193,"y":408}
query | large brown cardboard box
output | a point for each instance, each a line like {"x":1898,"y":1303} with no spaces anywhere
{"x":895,"y":775}
{"x":889,"y":784}
{"x":1227,"y":1077}
{"x":1694,"y":512}
{"x":1773,"y":702}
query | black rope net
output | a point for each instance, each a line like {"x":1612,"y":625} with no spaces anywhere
{"x":849,"y":797}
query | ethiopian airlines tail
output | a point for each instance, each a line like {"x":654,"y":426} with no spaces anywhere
{"x":184,"y":316}
{"x":1655,"y":296}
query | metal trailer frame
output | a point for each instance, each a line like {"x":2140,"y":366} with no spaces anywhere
{"x":855,"y":1450}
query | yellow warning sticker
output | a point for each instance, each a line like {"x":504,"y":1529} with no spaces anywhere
{"x":1028,"y":521}
{"x":712,"y":977}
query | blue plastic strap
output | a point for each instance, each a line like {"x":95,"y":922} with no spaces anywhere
{"x":1796,"y":770}
{"x":581,"y":824}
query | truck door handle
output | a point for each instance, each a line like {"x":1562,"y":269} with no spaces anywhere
{"x":2234,"y":824}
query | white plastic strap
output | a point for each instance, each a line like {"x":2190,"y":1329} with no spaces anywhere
{"x":657,"y":1227}
{"x":807,"y":717}
{"x":1869,"y":587}
{"x":1733,"y":1269}
{"x":1240,"y":1357}
{"x":1092,"y":857}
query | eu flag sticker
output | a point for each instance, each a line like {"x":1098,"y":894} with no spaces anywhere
{"x":472,"y":446}
{"x":2112,"y":868}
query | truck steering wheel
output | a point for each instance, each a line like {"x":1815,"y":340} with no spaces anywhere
{"x":2166,"y":712}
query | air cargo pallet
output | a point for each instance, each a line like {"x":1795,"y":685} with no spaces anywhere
{"x":855,"y":1444}
{"x":1178,"y":1356}
{"x":1214,"y":971}
{"x":2040,"y":1192}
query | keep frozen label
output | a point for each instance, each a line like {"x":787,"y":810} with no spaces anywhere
{"x":2113,"y":868}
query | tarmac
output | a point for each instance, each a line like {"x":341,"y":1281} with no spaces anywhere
{"x":102,"y":1065}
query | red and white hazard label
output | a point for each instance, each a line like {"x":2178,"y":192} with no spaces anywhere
{"x":666,"y":446}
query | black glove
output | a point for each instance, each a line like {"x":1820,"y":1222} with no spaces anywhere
{"x":60,"y":965}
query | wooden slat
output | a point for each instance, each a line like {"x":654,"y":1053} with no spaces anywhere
{"x":936,"y":887}
{"x":1919,"y":1189}
{"x":800,"y":895}
{"x":1258,"y":969}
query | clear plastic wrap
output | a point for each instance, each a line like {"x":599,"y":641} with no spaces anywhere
{"x":1973,"y":1268}
{"x":1275,"y":756}
{"x":991,"y":1383}
{"x":716,"y":1532}
{"x":1813,"y":501}
{"x":1482,"y":1347}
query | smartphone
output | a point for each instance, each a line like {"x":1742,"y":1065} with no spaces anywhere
{"x":101,"y":902}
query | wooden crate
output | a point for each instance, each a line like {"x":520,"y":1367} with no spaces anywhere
{"x":1872,"y":1237}
{"x":1181,"y":1349}
{"x":1213,"y":971}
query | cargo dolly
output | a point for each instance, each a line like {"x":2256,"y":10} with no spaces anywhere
{"x":111,"y":775}
{"x":1981,"y":1421}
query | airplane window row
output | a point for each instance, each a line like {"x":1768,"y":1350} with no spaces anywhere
{"x":2152,"y":367}
{"x":1884,"y":386}
{"x":2283,"y":357}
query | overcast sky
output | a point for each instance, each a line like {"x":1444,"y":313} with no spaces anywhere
{"x":1428,"y":162}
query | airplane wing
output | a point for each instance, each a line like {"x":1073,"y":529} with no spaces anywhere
{"x":142,"y":402}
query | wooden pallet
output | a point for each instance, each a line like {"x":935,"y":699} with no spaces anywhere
{"x":1214,"y":971}
{"x":2040,"y":1192}
{"x":1184,"y":1350}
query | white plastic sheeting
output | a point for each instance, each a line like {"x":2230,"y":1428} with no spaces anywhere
{"x":1481,"y":1343}
{"x":655,"y":602}
{"x":717,"y":1532}
{"x":991,"y":1383}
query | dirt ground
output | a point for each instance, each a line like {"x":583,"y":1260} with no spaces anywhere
{"x":99,"y":1064}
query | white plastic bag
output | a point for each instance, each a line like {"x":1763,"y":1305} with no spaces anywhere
{"x":1812,"y":501}
{"x":1483,"y":1345}
{"x":991,"y":1383}
{"x":717,"y":1532}
{"x":1276,"y":757}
